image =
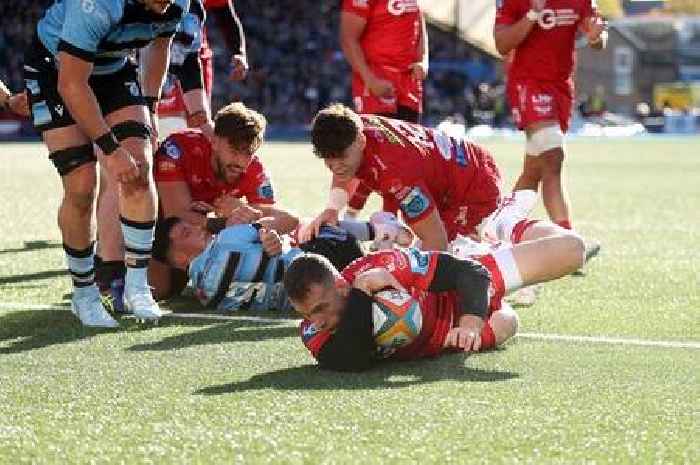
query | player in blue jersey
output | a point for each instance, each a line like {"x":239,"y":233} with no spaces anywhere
{"x":84,"y":89}
{"x":242,"y":266}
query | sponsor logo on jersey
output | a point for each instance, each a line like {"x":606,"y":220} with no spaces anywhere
{"x":399,"y":7}
{"x":265,"y":190}
{"x":542,"y":103}
{"x":415,"y":203}
{"x":308,"y":332}
{"x":550,"y":18}
{"x":172,"y":150}
{"x":418,"y":260}
{"x":166,"y":166}
{"x":360,"y":3}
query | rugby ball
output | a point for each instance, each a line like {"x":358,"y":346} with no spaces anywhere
{"x":397,"y":320}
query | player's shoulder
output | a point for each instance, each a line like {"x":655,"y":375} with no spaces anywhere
{"x":98,"y":10}
{"x":185,"y":143}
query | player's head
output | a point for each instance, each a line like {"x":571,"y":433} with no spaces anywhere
{"x":316,"y":290}
{"x":238,"y":134}
{"x":158,"y":6}
{"x":177,"y":242}
{"x":338,"y":139}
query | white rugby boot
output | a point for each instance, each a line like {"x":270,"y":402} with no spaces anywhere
{"x":87,"y":305}
{"x":512,"y":209}
{"x":388,"y":230}
{"x":139,"y":301}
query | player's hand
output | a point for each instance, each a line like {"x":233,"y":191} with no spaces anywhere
{"x":122,"y":166}
{"x":201,"y":207}
{"x":239,"y":67}
{"x":19,"y":104}
{"x":538,"y":5}
{"x":327,"y":216}
{"x":419,"y":71}
{"x":466,"y":336}
{"x":244,"y":214}
{"x":375,"y":280}
{"x":380,"y":87}
{"x":595,"y":25}
{"x":225,"y":205}
{"x":271,"y":241}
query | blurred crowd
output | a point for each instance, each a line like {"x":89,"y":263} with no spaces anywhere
{"x":297,"y":65}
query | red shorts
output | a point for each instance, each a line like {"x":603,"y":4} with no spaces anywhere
{"x":408,"y":92}
{"x":535,"y":101}
{"x":480,"y":198}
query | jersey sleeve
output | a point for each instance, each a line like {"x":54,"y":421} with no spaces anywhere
{"x":358,"y":7}
{"x":509,"y":11}
{"x":590,"y":8}
{"x":258,"y":188}
{"x":168,"y":164}
{"x":413,"y":268}
{"x":86,"y":23}
{"x":413,"y":199}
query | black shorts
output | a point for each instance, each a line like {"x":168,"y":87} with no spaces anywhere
{"x":113,"y":91}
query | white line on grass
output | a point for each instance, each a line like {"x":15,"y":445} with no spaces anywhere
{"x":540,"y":336}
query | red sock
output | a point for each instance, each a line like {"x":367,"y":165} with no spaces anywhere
{"x":519,"y":229}
{"x":488,"y":339}
{"x":566,"y":224}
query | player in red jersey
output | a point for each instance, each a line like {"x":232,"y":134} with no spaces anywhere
{"x":195,"y":177}
{"x":386,"y":43}
{"x":442,"y":186}
{"x":460,"y":299}
{"x":541,"y":34}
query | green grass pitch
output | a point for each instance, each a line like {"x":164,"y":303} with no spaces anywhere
{"x":246,"y":391}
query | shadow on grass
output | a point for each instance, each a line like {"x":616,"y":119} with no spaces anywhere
{"x":34,"y":245}
{"x":390,"y":375}
{"x":244,"y":330}
{"x":34,"y":329}
{"x":18,"y":278}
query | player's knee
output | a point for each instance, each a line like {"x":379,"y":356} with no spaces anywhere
{"x":573,"y":249}
{"x":80,"y":198}
{"x":504,"y":323}
{"x":67,"y":160}
{"x":544,"y":140}
{"x":135,"y":137}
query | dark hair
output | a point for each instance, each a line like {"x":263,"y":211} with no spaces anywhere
{"x":305,"y":270}
{"x":242,"y":127}
{"x":161,"y":239}
{"x":338,"y":250}
{"x":333,"y":130}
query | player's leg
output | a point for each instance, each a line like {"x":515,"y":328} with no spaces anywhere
{"x":72,"y":154}
{"x":137,"y":209}
{"x":110,"y":269}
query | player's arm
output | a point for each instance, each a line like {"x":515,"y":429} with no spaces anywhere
{"x":511,"y":28}
{"x":283,"y":221}
{"x":351,"y":28}
{"x":596,"y":32}
{"x":338,"y":198}
{"x":175,"y":200}
{"x":195,"y":97}
{"x":420,"y":68}
{"x":351,"y":347}
{"x":17,"y":103}
{"x":239,"y":56}
{"x":431,"y":231}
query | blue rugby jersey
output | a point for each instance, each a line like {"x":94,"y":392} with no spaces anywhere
{"x":105,"y":31}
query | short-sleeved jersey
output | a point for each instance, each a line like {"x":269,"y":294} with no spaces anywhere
{"x":104,"y":32}
{"x":392,"y":30}
{"x":547,"y":53}
{"x":418,"y":169}
{"x":187,"y":156}
{"x":415,"y":270}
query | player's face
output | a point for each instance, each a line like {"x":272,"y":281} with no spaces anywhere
{"x":158,"y":6}
{"x":345,"y":166}
{"x":229,"y":163}
{"x":187,"y":240}
{"x":323,"y":305}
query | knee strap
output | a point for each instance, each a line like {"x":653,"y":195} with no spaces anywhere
{"x":67,"y":160}
{"x":131,"y":128}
